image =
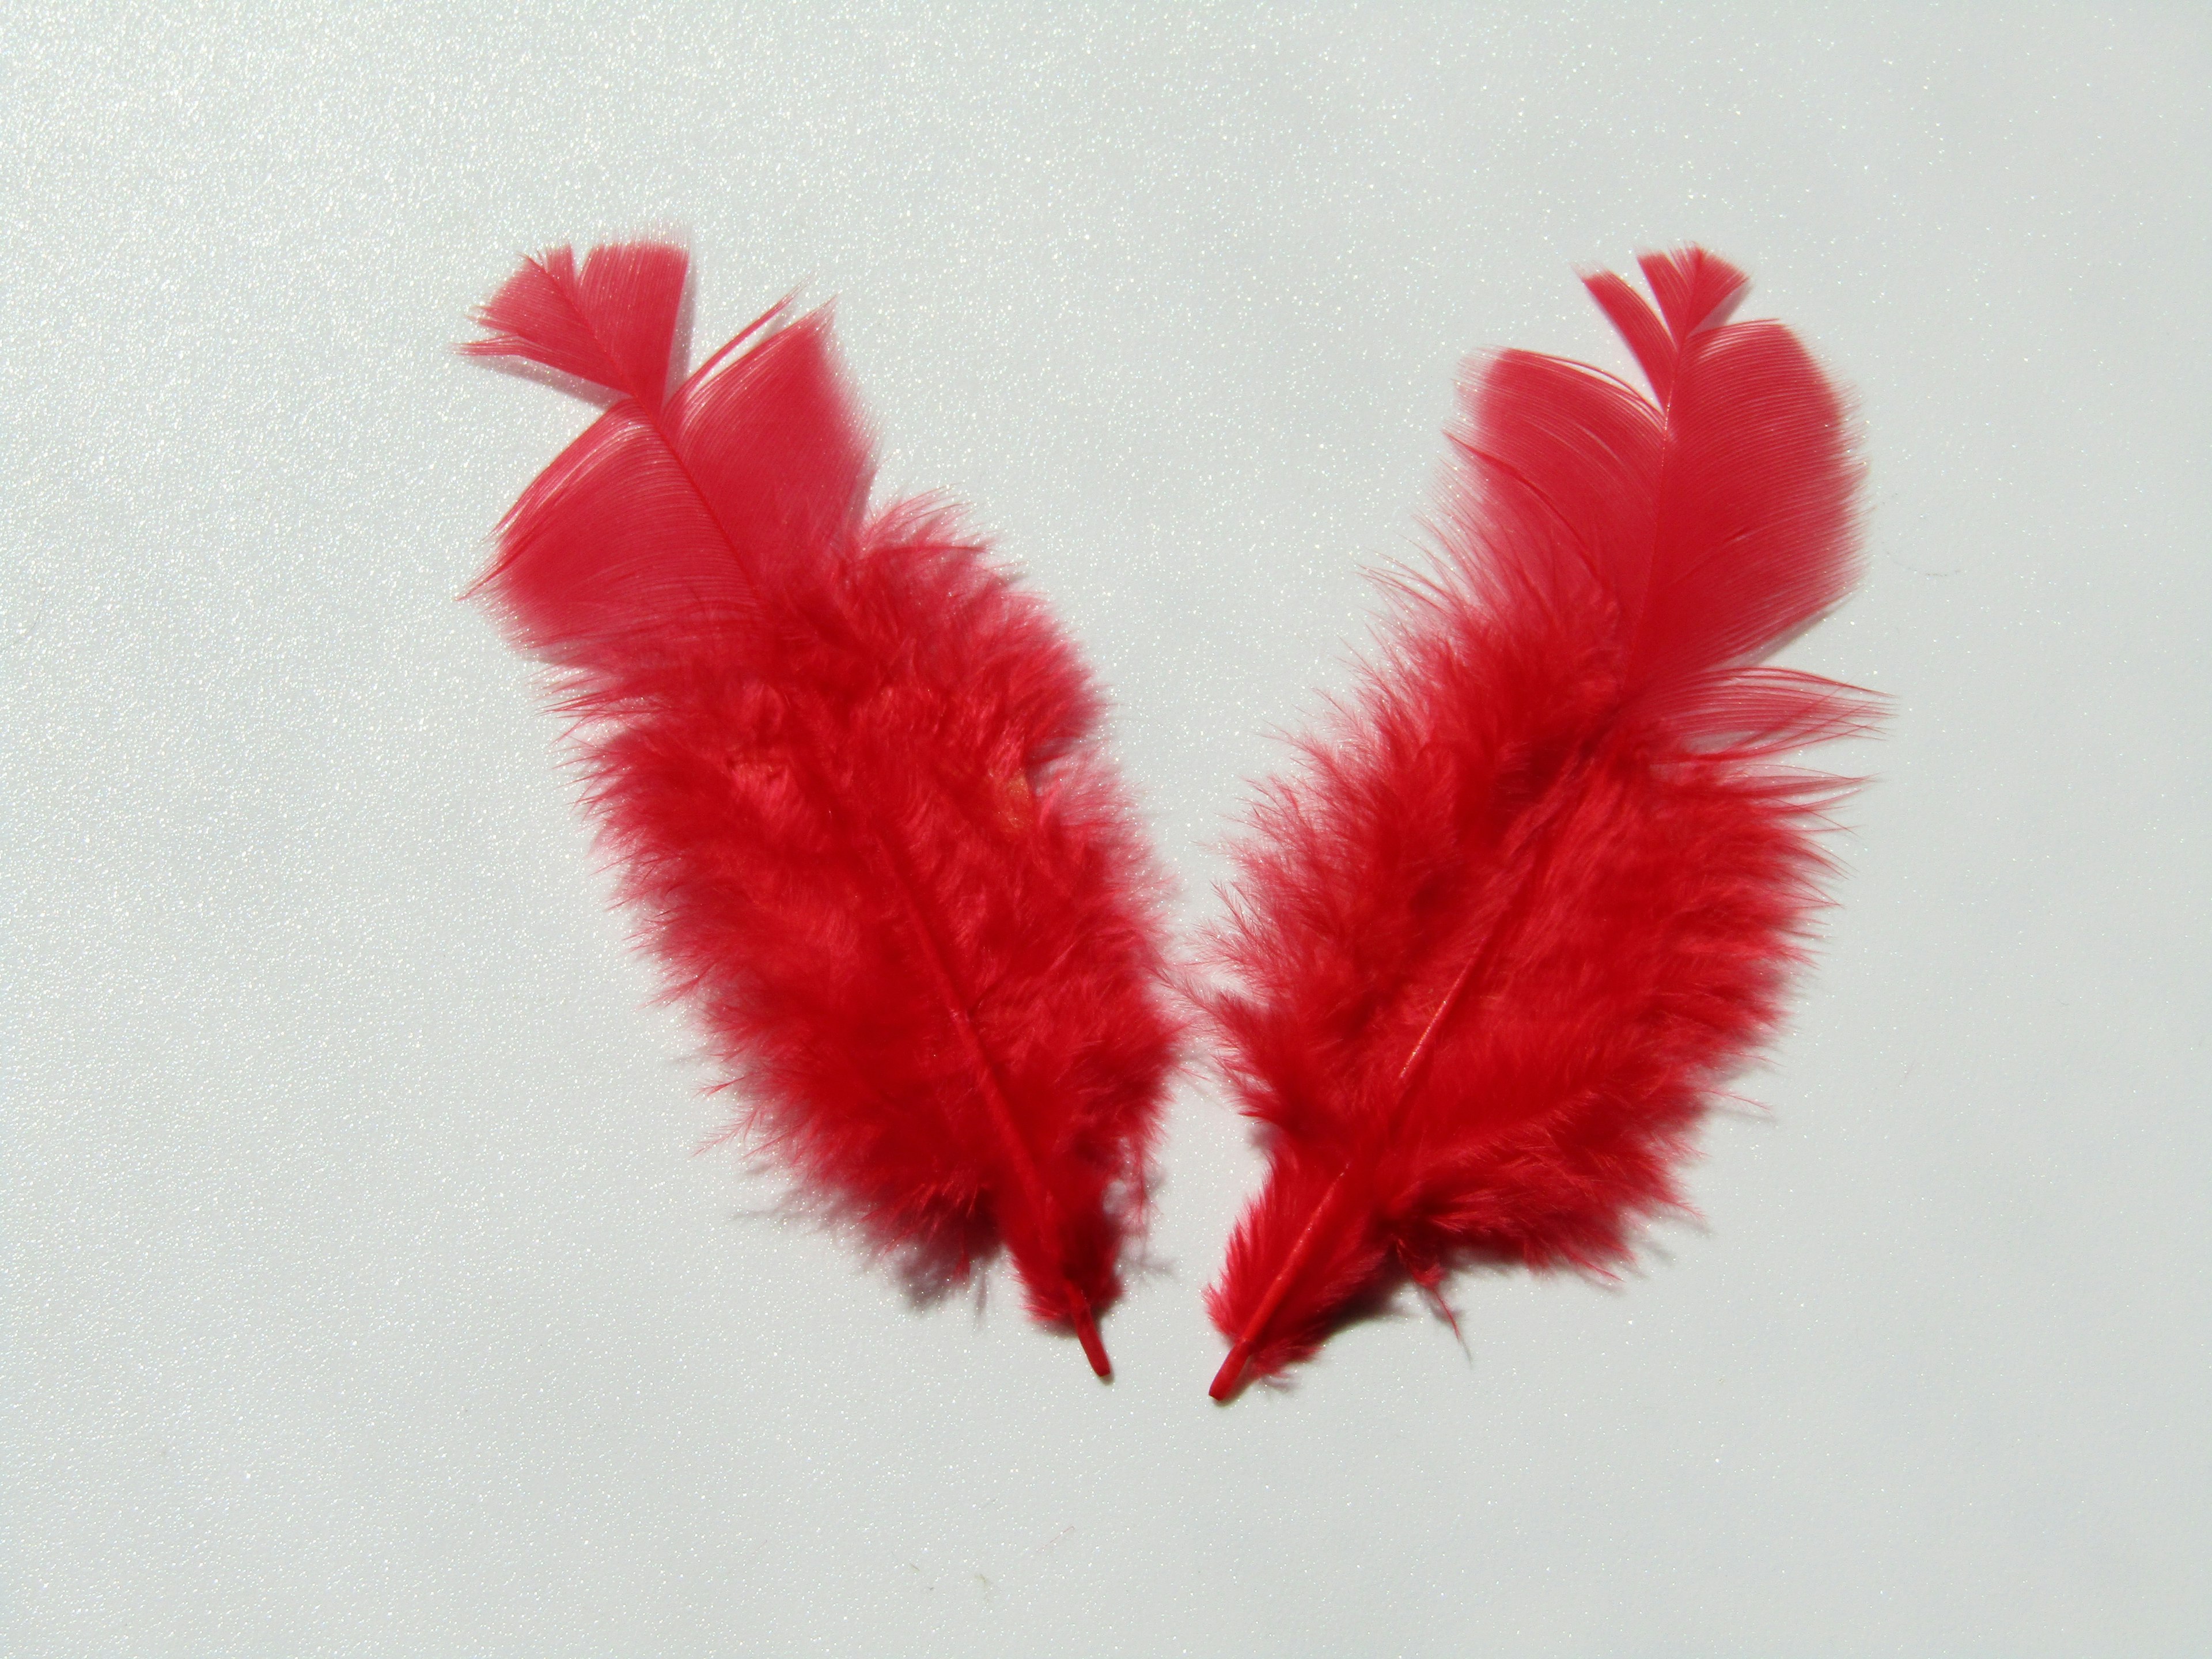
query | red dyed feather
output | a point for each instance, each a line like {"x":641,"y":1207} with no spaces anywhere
{"x":1539,"y":891}
{"x":850,"y":770}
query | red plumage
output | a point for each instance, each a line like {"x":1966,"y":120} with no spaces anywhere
{"x":850,"y":773}
{"x":1539,"y":889}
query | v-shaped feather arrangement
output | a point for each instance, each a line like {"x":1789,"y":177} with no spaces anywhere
{"x":1532,"y":897}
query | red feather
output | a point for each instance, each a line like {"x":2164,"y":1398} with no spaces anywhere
{"x":850,"y":773}
{"x":1535,"y":894}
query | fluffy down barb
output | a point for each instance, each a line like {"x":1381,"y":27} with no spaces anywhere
{"x":851,"y":774}
{"x":1540,"y":889}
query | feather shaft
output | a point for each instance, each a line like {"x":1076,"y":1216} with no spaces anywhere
{"x":990,"y":1086}
{"x":1329,"y":1211}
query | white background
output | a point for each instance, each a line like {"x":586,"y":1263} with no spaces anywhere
{"x":363,"y":1294}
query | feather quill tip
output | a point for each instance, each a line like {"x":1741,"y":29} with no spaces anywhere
{"x":1086,"y":1333}
{"x":1230,"y":1378}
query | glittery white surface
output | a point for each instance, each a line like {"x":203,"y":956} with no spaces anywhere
{"x":363,"y":1294}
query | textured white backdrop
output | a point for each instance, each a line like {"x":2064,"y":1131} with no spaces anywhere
{"x":363,"y":1295}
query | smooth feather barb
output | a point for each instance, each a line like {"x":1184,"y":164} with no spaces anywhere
{"x":1538,"y":890}
{"x":851,"y":775}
